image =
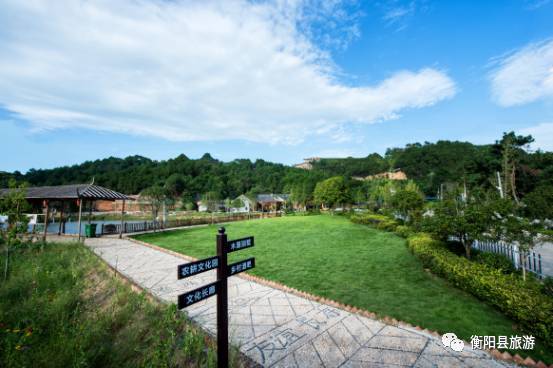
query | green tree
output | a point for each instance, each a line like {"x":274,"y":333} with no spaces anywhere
{"x":538,"y":204}
{"x":13,"y":205}
{"x":187,"y":201}
{"x":407,"y":203}
{"x":332,"y":192}
{"x":515,"y":229}
{"x":380,"y":193}
{"x":466,"y":220}
{"x":228,"y":204}
{"x":158,"y":197}
{"x":237,"y":203}
{"x":175,"y":185}
{"x":211,"y":200}
{"x":512,"y":149}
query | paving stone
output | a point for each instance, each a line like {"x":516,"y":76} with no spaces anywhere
{"x":480,"y":362}
{"x":359,"y":364}
{"x":289,"y":361}
{"x":343,"y":338}
{"x":357,"y":328}
{"x":398,"y":343}
{"x":382,"y":356}
{"x":308,"y":356}
{"x":434,"y":348}
{"x":329,"y":352}
{"x":428,"y":361}
{"x":280,"y":329}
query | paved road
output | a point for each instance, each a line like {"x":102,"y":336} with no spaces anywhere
{"x":546,"y":251}
{"x":280,"y":329}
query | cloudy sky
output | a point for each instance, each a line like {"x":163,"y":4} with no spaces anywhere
{"x":278,"y":80}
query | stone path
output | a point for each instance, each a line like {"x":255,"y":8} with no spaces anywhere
{"x":279,"y":329}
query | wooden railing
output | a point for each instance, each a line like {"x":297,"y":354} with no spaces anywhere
{"x":135,"y":227}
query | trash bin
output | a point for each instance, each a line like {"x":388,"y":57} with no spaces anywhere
{"x":90,"y":230}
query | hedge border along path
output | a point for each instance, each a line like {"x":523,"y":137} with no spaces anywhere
{"x":505,"y":356}
{"x":536,"y":318}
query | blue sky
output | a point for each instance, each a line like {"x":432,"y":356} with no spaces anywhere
{"x":274,"y":80}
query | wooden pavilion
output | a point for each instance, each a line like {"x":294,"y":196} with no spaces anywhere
{"x":64,"y":195}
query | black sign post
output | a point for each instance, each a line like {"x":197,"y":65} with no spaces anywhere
{"x":218,"y":287}
{"x":236,"y":268}
{"x":194,"y":268}
{"x":199,"y":294}
{"x":239,"y":244}
{"x":222,"y":301}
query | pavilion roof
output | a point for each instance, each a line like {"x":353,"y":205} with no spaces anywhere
{"x":72,"y":191}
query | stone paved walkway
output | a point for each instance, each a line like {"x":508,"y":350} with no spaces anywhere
{"x":279,"y":329}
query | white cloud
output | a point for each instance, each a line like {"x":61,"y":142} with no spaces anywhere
{"x":188,"y":70}
{"x":536,"y":4}
{"x":399,"y":14}
{"x":395,"y":14}
{"x":524,"y":76}
{"x":543,"y":136}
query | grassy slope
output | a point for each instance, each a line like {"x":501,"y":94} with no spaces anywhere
{"x":62,"y":307}
{"x":354,"y":264}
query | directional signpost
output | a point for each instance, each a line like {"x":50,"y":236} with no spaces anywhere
{"x":239,"y":244}
{"x":194,"y":268}
{"x":219,"y":287}
{"x":235,"y":268}
{"x":199,"y":294}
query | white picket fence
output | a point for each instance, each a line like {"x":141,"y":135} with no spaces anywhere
{"x":511,"y":251}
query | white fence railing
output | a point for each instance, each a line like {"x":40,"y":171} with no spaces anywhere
{"x":511,"y":251}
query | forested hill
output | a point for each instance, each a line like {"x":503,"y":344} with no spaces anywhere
{"x":135,"y":173}
{"x":429,"y":164}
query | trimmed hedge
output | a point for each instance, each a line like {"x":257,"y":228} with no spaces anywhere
{"x":508,"y":292}
{"x":378,"y":221}
{"x":495,"y":260}
{"x":522,"y":301}
{"x":382,"y":222}
{"x":404,"y":231}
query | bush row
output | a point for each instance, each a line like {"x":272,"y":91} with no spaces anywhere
{"x":378,"y":221}
{"x":508,"y":292}
{"x":382,"y":222}
{"x":522,"y":301}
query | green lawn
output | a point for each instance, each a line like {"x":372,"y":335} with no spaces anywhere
{"x":354,"y":264}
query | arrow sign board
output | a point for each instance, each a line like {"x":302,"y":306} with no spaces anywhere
{"x":234,"y":268}
{"x":194,"y":268}
{"x":197,"y":295}
{"x":238,"y":244}
{"x":219,"y":287}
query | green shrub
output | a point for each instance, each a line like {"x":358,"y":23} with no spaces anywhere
{"x":495,"y":260}
{"x":378,"y":221}
{"x":547,"y":286}
{"x":519,"y":300}
{"x":404,"y":231}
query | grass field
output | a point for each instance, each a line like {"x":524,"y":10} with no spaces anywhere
{"x":354,"y":264}
{"x":62,"y":307}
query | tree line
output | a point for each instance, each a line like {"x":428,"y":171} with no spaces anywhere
{"x":505,"y":165}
